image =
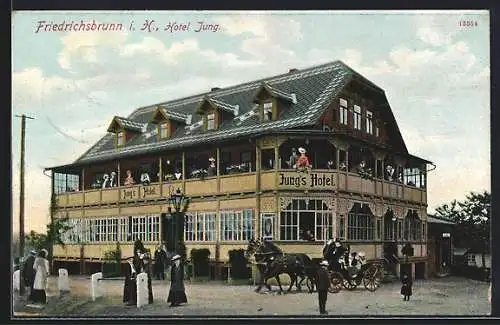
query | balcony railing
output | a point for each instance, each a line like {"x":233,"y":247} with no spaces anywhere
{"x":313,"y":180}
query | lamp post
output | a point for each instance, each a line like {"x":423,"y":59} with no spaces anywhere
{"x":180,"y":203}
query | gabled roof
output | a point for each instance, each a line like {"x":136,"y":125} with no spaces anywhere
{"x":233,"y":109}
{"x":127,"y":124}
{"x":174,"y":116}
{"x":275,"y":92}
{"x":308,"y":93}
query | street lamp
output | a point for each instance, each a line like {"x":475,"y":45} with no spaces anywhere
{"x":176,"y":221}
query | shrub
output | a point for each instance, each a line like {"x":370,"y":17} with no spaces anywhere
{"x":200,"y":260}
{"x":238,"y":261}
{"x":112,"y":262}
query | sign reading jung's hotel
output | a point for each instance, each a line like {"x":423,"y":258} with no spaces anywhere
{"x":303,"y":180}
{"x":140,"y":193}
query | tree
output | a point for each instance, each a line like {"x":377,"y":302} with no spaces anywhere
{"x":472,"y":218}
{"x":54,"y":235}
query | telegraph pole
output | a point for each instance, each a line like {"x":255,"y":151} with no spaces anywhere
{"x":21,"y":202}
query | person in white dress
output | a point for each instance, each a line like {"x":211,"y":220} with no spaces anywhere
{"x":41,"y":268}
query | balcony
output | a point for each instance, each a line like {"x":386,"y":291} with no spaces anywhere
{"x":270,"y":180}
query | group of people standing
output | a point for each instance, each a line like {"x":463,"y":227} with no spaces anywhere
{"x":36,"y":270}
{"x":142,"y":262}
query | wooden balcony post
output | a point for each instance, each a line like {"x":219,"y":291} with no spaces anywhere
{"x":276,"y":156}
{"x":337,"y":158}
{"x":160,"y":170}
{"x":118,"y":174}
{"x":183,"y":158}
{"x":217,"y":160}
{"x":257,"y":189}
{"x":82,"y":185}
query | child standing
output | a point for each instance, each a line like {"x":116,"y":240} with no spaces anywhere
{"x":406,"y":287}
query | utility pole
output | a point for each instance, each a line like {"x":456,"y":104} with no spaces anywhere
{"x":21,"y":202}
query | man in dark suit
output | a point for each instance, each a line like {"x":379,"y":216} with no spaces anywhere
{"x":28,"y":272}
{"x":159,"y":265}
{"x":322,"y":284}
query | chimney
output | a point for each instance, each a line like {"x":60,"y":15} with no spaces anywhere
{"x":214,"y":88}
{"x":293,"y":70}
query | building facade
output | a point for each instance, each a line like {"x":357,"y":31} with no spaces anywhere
{"x":296,"y":158}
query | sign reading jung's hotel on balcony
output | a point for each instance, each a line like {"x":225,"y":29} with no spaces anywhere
{"x":140,"y":193}
{"x":307,"y":180}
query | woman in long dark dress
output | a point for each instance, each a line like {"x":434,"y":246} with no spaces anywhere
{"x":177,"y":293}
{"x":130,"y":285}
{"x":142,"y":263}
{"x":406,"y":287}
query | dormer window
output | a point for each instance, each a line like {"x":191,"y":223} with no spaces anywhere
{"x":120,"y":139}
{"x":168,"y":121}
{"x":214,"y":112}
{"x":211,"y":121}
{"x":268,"y":110}
{"x":272,"y":101}
{"x":163,"y":130}
{"x":125,"y":129}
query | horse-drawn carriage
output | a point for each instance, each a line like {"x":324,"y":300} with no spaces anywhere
{"x":349,"y":270}
{"x":346,"y":269}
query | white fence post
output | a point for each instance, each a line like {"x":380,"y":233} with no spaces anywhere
{"x":63,"y":281}
{"x":96,"y":286}
{"x":142,"y":289}
{"x":15,"y":280}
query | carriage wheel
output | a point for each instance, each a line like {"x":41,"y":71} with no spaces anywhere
{"x":335,"y":282}
{"x":349,"y":284}
{"x":372,"y":278}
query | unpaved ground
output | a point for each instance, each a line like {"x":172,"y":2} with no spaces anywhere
{"x":449,"y":296}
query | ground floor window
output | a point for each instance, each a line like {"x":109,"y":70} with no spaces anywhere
{"x":200,"y":226}
{"x":341,"y":227}
{"x":360,"y":223}
{"x":306,"y":220}
{"x":236,"y":225}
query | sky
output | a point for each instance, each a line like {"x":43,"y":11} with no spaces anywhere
{"x":435,"y":73}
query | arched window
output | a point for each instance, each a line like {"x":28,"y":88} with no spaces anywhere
{"x":361,"y":223}
{"x":413,"y":226}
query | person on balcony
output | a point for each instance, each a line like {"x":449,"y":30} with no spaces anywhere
{"x":302,"y":161}
{"x":212,"y":168}
{"x":105,"y":181}
{"x":129,"y":180}
{"x":389,"y":172}
{"x":330,"y":164}
{"x":169,"y":171}
{"x":112,"y":180}
{"x":145,"y":180}
{"x":178,"y":174}
{"x":343,"y":166}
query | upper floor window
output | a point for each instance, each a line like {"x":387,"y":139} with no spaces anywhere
{"x":369,"y":122}
{"x":120,"y":138}
{"x":211,"y":121}
{"x":357,"y":117}
{"x":268,"y":110}
{"x":343,"y":111}
{"x":163,"y":130}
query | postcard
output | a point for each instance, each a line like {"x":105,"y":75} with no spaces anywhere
{"x":243,"y":164}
